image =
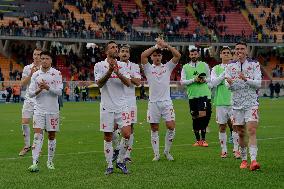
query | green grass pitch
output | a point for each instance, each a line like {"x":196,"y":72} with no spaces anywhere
{"x":80,"y":162}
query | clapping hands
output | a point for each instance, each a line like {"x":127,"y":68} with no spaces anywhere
{"x":113,"y":67}
{"x":161,"y":43}
{"x":43,"y":85}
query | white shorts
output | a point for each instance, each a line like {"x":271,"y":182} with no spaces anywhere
{"x":108,"y":119}
{"x":242,"y":116}
{"x":50,"y":122}
{"x":223,"y":114}
{"x":28,"y":109}
{"x":163,"y":109}
{"x":133,"y":114}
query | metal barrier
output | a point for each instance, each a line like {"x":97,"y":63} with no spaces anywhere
{"x":93,"y":93}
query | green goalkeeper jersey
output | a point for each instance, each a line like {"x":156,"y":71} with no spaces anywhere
{"x":222,"y":95}
{"x":196,"y":90}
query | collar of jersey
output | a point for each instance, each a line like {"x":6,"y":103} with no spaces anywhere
{"x":47,"y":71}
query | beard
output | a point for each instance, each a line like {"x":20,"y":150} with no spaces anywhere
{"x":193,"y":59}
{"x":114,"y":55}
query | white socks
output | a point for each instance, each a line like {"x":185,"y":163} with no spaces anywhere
{"x":155,"y":142}
{"x":26,"y":134}
{"x":108,"y":150}
{"x":170,"y":135}
{"x":130,"y":145}
{"x":223,"y":141}
{"x":253,"y":152}
{"x":116,"y":139}
{"x":122,"y":150}
{"x":235,"y":136}
{"x":51,"y":149}
{"x":243,"y":153}
{"x":36,"y":148}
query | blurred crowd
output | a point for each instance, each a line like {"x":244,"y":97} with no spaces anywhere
{"x":61,"y":22}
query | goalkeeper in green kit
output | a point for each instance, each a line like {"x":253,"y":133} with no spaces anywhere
{"x":195,"y":76}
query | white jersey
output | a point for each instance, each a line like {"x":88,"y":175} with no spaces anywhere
{"x":134,"y":71}
{"x":26,"y":72}
{"x":244,"y":94}
{"x":113,"y":98}
{"x":158,"y":78}
{"x":46,"y":100}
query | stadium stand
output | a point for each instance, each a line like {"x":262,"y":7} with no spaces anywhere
{"x":10,"y":69}
{"x":108,"y":19}
{"x":140,"y":20}
{"x":269,"y":16}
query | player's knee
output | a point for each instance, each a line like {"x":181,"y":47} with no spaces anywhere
{"x":154,"y":127}
{"x":51,"y":135}
{"x":37,"y":130}
{"x":222,"y":128}
{"x":170,"y":124}
{"x":25,"y":120}
{"x":108,"y":136}
{"x":241,"y":133}
{"x":127,"y":135}
{"x":251,"y":131}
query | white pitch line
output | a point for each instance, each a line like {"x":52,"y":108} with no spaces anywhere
{"x":141,"y":148}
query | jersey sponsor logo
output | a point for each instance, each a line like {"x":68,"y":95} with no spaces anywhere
{"x":159,"y":74}
{"x":195,"y":73}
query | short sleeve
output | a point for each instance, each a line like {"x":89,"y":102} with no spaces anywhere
{"x":136,"y":71}
{"x":97,"y":72}
{"x":170,"y":65}
{"x":26,"y":71}
{"x":147,"y":68}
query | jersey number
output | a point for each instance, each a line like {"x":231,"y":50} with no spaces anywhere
{"x":125,"y":116}
{"x":54,"y":122}
{"x":132,"y":114}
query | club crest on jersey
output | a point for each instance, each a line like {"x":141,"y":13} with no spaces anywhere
{"x":195,"y":73}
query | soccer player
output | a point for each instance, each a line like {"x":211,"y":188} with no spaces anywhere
{"x":195,"y":75}
{"x":244,"y":79}
{"x":28,"y":107}
{"x":222,"y":101}
{"x":112,"y":77}
{"x":135,"y":78}
{"x":160,"y":103}
{"x":46,"y":86}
